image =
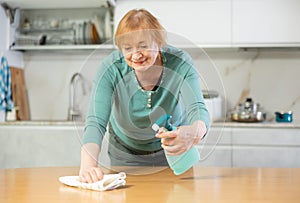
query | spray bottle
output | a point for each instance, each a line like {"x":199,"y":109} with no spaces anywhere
{"x":180,"y":163}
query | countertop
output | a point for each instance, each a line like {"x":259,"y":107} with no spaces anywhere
{"x":197,"y":185}
{"x":266,"y":124}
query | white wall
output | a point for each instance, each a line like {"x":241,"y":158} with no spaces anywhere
{"x":48,"y":76}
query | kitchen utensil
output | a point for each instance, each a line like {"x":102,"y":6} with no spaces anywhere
{"x":107,"y":25}
{"x":98,"y":25}
{"x":94,"y":34}
{"x":248,"y":111}
{"x":214,"y":104}
{"x":88,"y":38}
{"x":80,"y":33}
{"x":84,"y":32}
{"x":19,"y":91}
{"x":286,"y":117}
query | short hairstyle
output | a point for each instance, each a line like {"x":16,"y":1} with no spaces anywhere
{"x":140,"y":20}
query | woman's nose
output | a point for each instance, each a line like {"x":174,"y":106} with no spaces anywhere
{"x":137,"y":54}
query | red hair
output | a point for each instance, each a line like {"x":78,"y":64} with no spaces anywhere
{"x":140,"y":20}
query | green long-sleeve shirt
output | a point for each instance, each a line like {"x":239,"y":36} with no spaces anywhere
{"x":118,"y":101}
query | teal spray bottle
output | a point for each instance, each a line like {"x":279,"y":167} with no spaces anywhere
{"x":183,"y":162}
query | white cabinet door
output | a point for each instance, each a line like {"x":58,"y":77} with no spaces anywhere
{"x":14,"y":58}
{"x":265,"y":147}
{"x":4,"y":25}
{"x":215,"y":149}
{"x":188,"y":23}
{"x":39,"y":146}
{"x":37,"y":4}
{"x":266,"y":22}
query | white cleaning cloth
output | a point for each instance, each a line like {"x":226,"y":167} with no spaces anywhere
{"x":109,"y":182}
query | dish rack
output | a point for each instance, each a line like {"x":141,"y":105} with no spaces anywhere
{"x":76,"y":26}
{"x":23,"y":39}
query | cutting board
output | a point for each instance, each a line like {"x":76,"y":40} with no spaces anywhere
{"x":19,"y":93}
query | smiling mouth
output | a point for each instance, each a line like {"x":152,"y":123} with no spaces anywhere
{"x":139,"y":62}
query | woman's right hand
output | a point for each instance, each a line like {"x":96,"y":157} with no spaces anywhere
{"x":89,"y":170}
{"x":90,"y":175}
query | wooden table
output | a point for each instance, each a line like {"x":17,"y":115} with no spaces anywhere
{"x":197,"y":185}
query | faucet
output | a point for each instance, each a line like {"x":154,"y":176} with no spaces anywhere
{"x":74,"y":112}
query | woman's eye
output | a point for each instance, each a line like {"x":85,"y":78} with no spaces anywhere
{"x":127,"y":49}
{"x":143,"y":47}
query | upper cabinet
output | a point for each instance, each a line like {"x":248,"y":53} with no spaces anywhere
{"x":38,"y":4}
{"x":224,"y":23}
{"x":61,"y":24}
{"x":266,"y":23}
{"x":14,"y":58}
{"x":188,"y":23}
{"x":77,"y":24}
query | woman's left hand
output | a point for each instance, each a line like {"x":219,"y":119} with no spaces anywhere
{"x":184,"y":138}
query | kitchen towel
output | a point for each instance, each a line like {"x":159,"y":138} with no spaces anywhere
{"x":6,"y":102}
{"x":109,"y":182}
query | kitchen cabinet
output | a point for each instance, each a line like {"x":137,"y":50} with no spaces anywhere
{"x":42,"y":144}
{"x":3,"y":22}
{"x":215,"y":149}
{"x":263,"y":23}
{"x":37,"y":4}
{"x":267,"y":147}
{"x":58,"y":144}
{"x":207,"y":24}
{"x":14,"y":59}
{"x":224,"y":23}
{"x":36,"y":26}
{"x":39,"y":145}
{"x":188,"y":23}
{"x":252,"y":147}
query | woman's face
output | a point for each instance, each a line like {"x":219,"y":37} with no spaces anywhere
{"x":140,"y":51}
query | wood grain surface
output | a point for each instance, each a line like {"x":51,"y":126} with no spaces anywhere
{"x":197,"y":185}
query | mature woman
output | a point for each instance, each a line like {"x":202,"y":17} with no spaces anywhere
{"x":135,"y":85}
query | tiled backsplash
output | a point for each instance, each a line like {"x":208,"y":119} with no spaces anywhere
{"x":270,"y":77}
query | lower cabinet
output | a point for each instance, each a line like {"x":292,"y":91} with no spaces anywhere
{"x":230,"y":146}
{"x":265,"y":147}
{"x":39,"y":146}
{"x":215,"y":149}
{"x":251,"y":147}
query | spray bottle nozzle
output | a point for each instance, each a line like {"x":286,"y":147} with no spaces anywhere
{"x":163,"y":121}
